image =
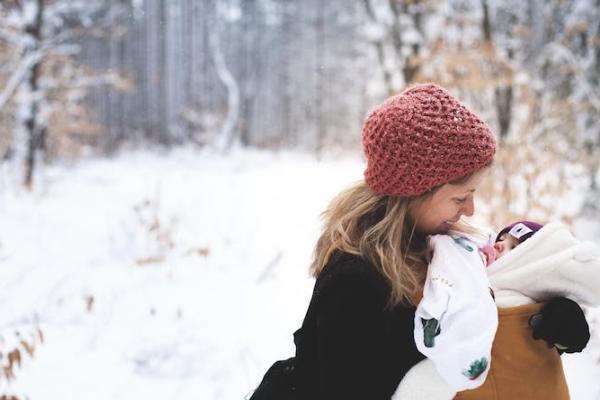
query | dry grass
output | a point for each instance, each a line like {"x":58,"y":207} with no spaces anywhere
{"x":12,"y":356}
{"x":157,"y":233}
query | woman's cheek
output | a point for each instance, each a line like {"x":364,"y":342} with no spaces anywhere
{"x":451,"y":212}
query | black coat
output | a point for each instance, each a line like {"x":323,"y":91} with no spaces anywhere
{"x":350,"y":346}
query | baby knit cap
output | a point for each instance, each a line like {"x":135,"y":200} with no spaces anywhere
{"x":422,"y":138}
{"x":520,"y":230}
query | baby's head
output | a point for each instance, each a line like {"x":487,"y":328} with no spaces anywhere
{"x":513,"y":235}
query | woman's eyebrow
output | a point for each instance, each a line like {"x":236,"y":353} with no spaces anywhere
{"x":468,"y":191}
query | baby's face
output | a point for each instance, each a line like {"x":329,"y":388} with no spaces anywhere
{"x":505,"y":244}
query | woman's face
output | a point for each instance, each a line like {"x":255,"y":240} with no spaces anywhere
{"x":445,"y":207}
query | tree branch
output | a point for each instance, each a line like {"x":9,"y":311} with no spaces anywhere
{"x":20,"y":73}
{"x":109,"y":79}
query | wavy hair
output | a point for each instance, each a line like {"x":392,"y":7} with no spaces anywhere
{"x":380,"y":229}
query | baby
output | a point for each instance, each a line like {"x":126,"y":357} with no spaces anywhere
{"x":507,"y":239}
{"x":469,"y":278}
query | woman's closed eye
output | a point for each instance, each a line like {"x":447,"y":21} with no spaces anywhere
{"x":460,"y":200}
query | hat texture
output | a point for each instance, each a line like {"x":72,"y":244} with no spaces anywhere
{"x":521,"y":230}
{"x":423,"y":138}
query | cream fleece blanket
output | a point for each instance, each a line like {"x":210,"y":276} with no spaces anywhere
{"x":552,"y":263}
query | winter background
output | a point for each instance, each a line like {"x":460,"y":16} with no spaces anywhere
{"x":163,"y":166}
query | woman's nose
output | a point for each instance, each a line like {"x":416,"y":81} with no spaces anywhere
{"x":469,"y":208}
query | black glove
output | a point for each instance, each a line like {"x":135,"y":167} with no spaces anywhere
{"x":561,"y":324}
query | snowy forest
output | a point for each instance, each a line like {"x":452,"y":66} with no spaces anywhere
{"x":163,"y":166}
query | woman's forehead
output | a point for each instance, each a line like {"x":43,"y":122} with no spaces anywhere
{"x":471,"y":185}
{"x":452,"y":189}
{"x":458,"y":189}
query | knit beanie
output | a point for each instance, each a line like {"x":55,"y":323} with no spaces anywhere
{"x":423,"y":138}
{"x":520,"y":230}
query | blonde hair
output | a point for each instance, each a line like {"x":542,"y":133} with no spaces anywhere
{"x":380,"y":229}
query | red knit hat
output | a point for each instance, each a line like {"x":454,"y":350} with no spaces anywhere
{"x":423,"y":138}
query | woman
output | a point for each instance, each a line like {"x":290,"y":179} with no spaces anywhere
{"x":427,"y":155}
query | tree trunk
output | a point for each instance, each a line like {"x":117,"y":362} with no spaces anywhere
{"x":410,"y":66}
{"x":227,"y":137}
{"x":503,"y":93}
{"x":163,"y":123}
{"x":320,"y":60}
{"x":387,"y":75}
{"x":35,"y":131}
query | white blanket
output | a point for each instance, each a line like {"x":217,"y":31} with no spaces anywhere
{"x":457,"y":319}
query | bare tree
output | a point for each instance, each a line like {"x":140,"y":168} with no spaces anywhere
{"x":378,"y":40}
{"x":503,"y":90}
{"x":40,"y":30}
{"x":407,"y":35}
{"x":228,"y":135}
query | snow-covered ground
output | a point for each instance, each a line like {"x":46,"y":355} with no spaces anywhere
{"x":178,"y":275}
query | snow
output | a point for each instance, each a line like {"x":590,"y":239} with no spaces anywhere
{"x":217,"y":307}
{"x":191,"y":326}
{"x":30,"y":12}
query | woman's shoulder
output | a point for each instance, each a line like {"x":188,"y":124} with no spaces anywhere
{"x":351,"y":273}
{"x":342,"y":265}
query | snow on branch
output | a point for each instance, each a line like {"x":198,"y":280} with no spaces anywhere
{"x":108,"y":79}
{"x":50,"y":45}
{"x":559,"y":53}
{"x":20,"y":73}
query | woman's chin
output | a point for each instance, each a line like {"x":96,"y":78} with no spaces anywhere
{"x":443,"y":228}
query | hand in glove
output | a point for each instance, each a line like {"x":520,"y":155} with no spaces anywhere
{"x":561,"y":324}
